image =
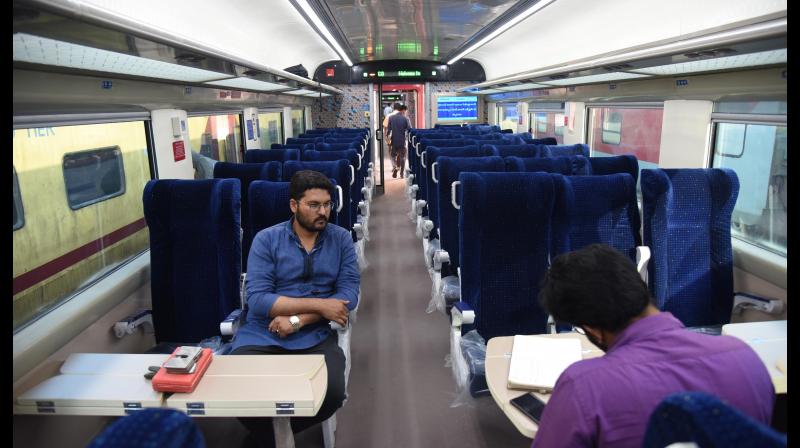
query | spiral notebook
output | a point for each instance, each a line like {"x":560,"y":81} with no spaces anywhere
{"x":537,"y":362}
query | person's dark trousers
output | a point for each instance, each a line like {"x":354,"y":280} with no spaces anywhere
{"x":261,"y":427}
{"x":399,"y":158}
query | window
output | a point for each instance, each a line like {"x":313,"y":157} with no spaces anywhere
{"x":612,"y":128}
{"x":270,"y":126}
{"x":217,"y":136}
{"x":757,"y":153}
{"x":548,"y":124}
{"x":507,"y":116}
{"x":614,"y":131}
{"x":298,"y":122}
{"x":19,"y":213}
{"x":93,"y":176}
{"x":83,"y":210}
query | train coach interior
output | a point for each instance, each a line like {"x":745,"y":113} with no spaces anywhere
{"x":110,"y":95}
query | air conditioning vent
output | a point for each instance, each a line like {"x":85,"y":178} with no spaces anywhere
{"x":618,"y":67}
{"x":253,"y":73}
{"x":189,"y":57}
{"x":715,"y":53}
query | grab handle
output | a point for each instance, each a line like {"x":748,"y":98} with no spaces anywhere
{"x":453,"y":194}
{"x":341,"y":199}
{"x":433,"y":172}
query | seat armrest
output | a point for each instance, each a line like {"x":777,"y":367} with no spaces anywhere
{"x":743,"y":301}
{"x":143,"y":318}
{"x":230,"y":325}
{"x":440,"y":257}
{"x":358,"y":228}
{"x":642,"y":259}
{"x":461,"y":314}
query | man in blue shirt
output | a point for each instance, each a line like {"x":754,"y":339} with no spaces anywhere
{"x":301,"y":275}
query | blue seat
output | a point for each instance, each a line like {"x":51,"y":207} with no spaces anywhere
{"x":515,"y":150}
{"x":302,"y":141}
{"x":449,"y":170}
{"x":432,"y":154}
{"x":297,"y":146}
{"x":195,"y":255}
{"x":154,"y":427}
{"x":247,"y":173}
{"x":615,"y":164}
{"x":603,"y":209}
{"x":579,"y":149}
{"x":708,"y":422}
{"x":566,"y":165}
{"x":502,"y":263}
{"x":540,"y":141}
{"x":269,"y":155}
{"x":687,"y":225}
{"x":354,"y":159}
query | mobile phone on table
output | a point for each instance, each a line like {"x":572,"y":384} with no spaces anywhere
{"x":529,"y":405}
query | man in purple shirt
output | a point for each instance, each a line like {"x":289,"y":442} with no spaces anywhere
{"x":607,"y":401}
{"x":301,"y":275}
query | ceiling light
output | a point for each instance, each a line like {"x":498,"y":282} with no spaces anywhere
{"x":530,"y":85}
{"x":322,"y":29}
{"x":488,"y":91}
{"x":603,"y":77}
{"x":723,"y":63}
{"x":520,"y":17}
{"x":41,"y":50}
{"x":317,"y":94}
{"x":249,"y":84}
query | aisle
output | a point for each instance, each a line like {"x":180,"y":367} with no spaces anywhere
{"x":400,"y":390}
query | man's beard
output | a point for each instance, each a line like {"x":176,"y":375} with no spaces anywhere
{"x":316,"y":225}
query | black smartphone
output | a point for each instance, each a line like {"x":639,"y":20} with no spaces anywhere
{"x":530,"y":405}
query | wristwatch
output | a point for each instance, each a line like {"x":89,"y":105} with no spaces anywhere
{"x":295,"y":322}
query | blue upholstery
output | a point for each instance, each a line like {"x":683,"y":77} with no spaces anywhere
{"x":603,"y":209}
{"x":564,"y":150}
{"x":615,"y":164}
{"x":269,"y":204}
{"x":572,"y":165}
{"x":687,"y":225}
{"x":302,"y":141}
{"x":448,"y":172}
{"x":297,"y":146}
{"x":338,"y":170}
{"x":336,"y":146}
{"x":515,"y":150}
{"x":151,"y":428}
{"x":505,"y":236}
{"x":707,"y":421}
{"x":541,"y":141}
{"x":269,"y":155}
{"x":195,"y":255}
{"x":247,"y":173}
{"x":432,"y":155}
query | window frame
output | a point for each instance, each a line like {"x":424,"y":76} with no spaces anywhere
{"x":282,"y":132}
{"x":18,"y":206}
{"x":746,"y":119}
{"x":604,"y":130}
{"x":98,"y":199}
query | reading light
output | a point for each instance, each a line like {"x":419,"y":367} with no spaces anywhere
{"x":520,"y":17}
{"x":324,"y":30}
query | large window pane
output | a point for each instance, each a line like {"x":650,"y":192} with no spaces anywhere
{"x":270,"y":125}
{"x":548,"y":124}
{"x":217,"y":136}
{"x":757,"y":153}
{"x":83,"y":216}
{"x":298,"y":121}
{"x":508,"y":116}
{"x":617,"y":131}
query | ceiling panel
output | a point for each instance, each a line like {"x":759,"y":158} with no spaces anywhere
{"x":411,"y":29}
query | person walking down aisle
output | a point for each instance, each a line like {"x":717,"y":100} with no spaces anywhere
{"x":394,"y":110}
{"x":398,"y":124}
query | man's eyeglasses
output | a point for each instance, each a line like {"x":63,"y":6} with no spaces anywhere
{"x":579,"y":330}
{"x":316,"y":205}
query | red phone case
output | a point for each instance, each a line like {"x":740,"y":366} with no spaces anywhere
{"x":164,"y":381}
